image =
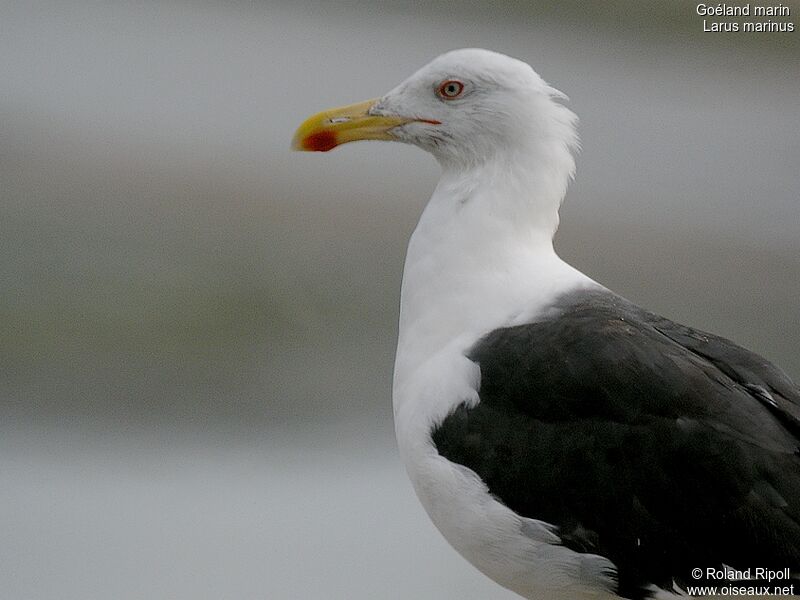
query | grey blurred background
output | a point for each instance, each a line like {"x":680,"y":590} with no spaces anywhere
{"x":198,"y":326}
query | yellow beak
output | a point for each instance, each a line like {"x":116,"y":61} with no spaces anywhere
{"x":330,"y":128}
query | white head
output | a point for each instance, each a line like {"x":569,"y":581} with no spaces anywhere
{"x":465,"y":107}
{"x":487,"y":103}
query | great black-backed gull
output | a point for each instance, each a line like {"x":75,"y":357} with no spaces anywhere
{"x":566,"y":442}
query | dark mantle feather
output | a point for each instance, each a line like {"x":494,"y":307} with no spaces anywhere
{"x":658,"y":446}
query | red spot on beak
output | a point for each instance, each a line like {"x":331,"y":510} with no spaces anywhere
{"x":321,"y":141}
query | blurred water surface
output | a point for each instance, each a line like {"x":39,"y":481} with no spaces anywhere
{"x":199,"y":324}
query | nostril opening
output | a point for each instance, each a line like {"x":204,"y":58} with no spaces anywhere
{"x":376,"y":110}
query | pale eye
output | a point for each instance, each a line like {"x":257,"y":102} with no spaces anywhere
{"x":450,"y":89}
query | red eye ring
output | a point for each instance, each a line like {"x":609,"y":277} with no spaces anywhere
{"x":450,"y":89}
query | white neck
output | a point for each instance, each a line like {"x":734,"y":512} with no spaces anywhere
{"x":482,"y":255}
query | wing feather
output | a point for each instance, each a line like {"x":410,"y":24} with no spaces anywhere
{"x":658,"y":446}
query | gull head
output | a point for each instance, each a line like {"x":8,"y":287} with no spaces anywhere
{"x":465,"y":107}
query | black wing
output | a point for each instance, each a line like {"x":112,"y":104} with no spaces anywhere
{"x":658,"y":446}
